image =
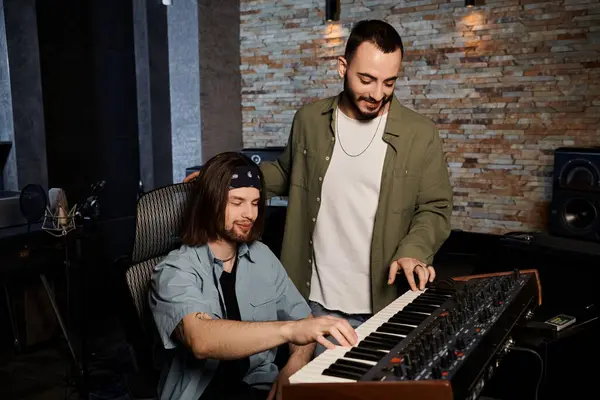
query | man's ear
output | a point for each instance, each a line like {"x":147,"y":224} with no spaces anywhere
{"x":342,"y":66}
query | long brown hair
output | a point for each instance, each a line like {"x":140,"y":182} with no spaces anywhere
{"x":205,"y":215}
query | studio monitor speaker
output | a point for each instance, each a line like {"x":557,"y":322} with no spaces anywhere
{"x":259,"y":155}
{"x":575,"y":207}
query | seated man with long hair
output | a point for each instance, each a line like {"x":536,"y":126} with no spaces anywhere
{"x":223,"y":302}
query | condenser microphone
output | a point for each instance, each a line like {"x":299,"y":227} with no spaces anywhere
{"x":58,"y":219}
{"x":58,"y":206}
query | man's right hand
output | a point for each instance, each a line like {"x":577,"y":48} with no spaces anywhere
{"x":191,"y":176}
{"x":311,"y":330}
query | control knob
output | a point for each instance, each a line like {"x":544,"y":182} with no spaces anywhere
{"x":460,"y":343}
{"x":398,"y":371}
{"x":445,"y":361}
{"x":482,"y":317}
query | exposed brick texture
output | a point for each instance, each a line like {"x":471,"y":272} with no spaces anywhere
{"x":506,"y":83}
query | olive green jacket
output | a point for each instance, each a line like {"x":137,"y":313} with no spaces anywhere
{"x":415,"y":200}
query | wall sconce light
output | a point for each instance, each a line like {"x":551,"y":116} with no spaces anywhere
{"x":332,"y":10}
{"x":469,"y":3}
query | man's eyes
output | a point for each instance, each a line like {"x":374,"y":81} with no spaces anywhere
{"x":388,"y":83}
{"x":239,"y":203}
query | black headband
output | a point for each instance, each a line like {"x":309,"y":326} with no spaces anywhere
{"x":245,"y":176}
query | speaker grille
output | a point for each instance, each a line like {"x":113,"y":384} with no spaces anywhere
{"x":579,"y":215}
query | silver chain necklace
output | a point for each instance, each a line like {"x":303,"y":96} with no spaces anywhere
{"x":339,"y":138}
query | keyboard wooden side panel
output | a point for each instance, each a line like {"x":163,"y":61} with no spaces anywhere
{"x":523,"y":271}
{"x":413,"y":390}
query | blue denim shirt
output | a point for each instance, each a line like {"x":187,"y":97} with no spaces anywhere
{"x":187,"y":281}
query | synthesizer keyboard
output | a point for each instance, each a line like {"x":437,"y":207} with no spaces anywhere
{"x":448,"y":338}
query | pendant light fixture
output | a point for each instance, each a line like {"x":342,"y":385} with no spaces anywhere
{"x":332,"y":10}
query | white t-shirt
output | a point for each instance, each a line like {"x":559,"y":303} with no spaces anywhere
{"x":341,"y":276}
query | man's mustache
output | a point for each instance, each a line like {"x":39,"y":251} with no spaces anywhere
{"x":373,"y":101}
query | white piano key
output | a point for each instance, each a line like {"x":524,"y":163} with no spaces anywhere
{"x":324,"y":361}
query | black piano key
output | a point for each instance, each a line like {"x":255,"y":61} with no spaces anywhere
{"x":381,"y":341}
{"x":428,"y":295}
{"x":419,"y":317}
{"x":347,"y":368}
{"x":350,"y":367}
{"x":386,"y":330}
{"x":357,"y":364}
{"x":396,"y":328}
{"x":405,"y":321}
{"x":374,"y":352}
{"x":426,"y":306}
{"x":420,"y":308}
{"x":341,"y":374}
{"x":363,"y":344}
{"x":437,"y":294}
{"x":429,"y":302}
{"x":379,"y":344}
{"x":434,"y":296}
{"x":365,"y":354}
{"x":385,"y":336}
{"x":412,"y":317}
{"x":441,"y":291}
{"x":379,"y":337}
{"x":356,"y":355}
{"x":391,"y":342}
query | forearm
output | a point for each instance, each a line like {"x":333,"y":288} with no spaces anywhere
{"x":430,"y":224}
{"x":227,"y":340}
{"x":302,"y":354}
{"x":277,"y":173}
{"x":428,"y":231}
{"x":276,"y":178}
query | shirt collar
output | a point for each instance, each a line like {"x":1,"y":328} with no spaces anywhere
{"x":396,"y":113}
{"x":243,"y":251}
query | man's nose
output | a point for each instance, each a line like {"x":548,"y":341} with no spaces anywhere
{"x":248,"y":211}
{"x":377,"y":94}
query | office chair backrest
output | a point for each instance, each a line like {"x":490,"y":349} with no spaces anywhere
{"x":159,"y":218}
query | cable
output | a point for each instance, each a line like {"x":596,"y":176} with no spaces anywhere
{"x":526,"y":350}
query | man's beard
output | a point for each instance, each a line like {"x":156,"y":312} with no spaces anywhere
{"x":232,"y":236}
{"x":353,"y":100}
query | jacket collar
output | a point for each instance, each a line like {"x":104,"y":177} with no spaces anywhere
{"x":395,"y":117}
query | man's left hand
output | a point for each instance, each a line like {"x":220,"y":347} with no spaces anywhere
{"x":411,"y":266}
{"x":292,"y":366}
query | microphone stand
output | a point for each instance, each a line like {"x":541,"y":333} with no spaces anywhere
{"x":87,"y":213}
{"x":59,"y":225}
{"x":84,"y":384}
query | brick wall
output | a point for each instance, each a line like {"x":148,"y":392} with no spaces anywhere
{"x":506,"y":83}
